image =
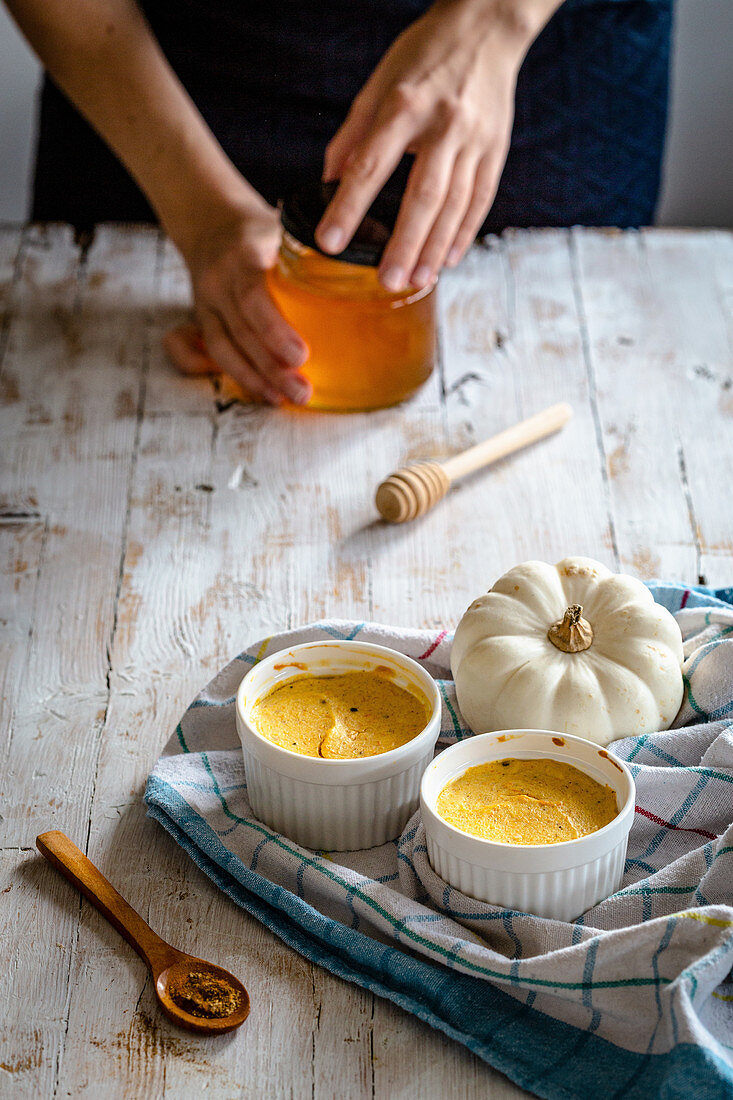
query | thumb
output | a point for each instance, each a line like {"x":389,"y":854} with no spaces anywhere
{"x":185,"y":348}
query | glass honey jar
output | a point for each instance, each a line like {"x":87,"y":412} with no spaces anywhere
{"x":368,"y":347}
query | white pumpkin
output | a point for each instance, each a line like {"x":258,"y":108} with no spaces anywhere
{"x":570,"y":647}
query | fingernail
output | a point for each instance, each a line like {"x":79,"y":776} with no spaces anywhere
{"x":393,"y":278}
{"x":295,"y":353}
{"x":332,"y":239}
{"x":298,"y":391}
{"x":422,"y":276}
{"x":453,"y":257}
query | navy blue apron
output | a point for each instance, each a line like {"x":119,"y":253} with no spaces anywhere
{"x":274,"y":82}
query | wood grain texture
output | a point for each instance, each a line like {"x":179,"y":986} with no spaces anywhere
{"x":691,"y":272}
{"x":151,"y":527}
{"x":633,"y":356}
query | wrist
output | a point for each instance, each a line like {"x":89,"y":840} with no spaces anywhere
{"x":524,"y":19}
{"x":517,"y":22}
{"x":203,"y":208}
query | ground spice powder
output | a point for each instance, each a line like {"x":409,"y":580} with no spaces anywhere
{"x":204,"y":994}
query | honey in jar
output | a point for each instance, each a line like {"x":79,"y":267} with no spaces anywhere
{"x":368,"y":347}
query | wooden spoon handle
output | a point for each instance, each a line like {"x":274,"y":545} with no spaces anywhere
{"x":505,"y":443}
{"x":64,"y":855}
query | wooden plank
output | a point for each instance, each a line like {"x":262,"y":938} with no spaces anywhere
{"x":419,"y":576}
{"x":19,"y":490}
{"x":411,"y":1061}
{"x":29,"y":928}
{"x":147,"y":651}
{"x":692,"y":274}
{"x":342,"y":1039}
{"x":72,"y":443}
{"x":10,"y":245}
{"x":632,"y":356}
{"x":37,"y":932}
{"x":73,"y":454}
{"x":11,"y":237}
{"x":564,"y":507}
{"x":287,"y":493}
{"x":22,"y":528}
{"x":22,"y":544}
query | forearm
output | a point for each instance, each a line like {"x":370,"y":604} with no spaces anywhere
{"x":107,"y":61}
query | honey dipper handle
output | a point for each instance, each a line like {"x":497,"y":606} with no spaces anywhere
{"x":64,"y":855}
{"x":505,"y":443}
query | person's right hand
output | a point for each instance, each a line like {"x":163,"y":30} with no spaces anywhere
{"x":241,"y":329}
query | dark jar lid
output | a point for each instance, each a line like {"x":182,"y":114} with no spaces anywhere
{"x":302,"y":211}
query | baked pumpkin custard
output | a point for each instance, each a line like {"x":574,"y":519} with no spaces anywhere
{"x":537,"y":801}
{"x":340,"y":717}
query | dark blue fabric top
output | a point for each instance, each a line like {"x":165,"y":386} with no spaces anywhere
{"x":274,"y":83}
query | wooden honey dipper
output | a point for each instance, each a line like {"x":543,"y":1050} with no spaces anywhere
{"x":414,"y":490}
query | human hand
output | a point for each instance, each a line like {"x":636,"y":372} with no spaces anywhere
{"x":445,"y":92}
{"x":238,"y":328}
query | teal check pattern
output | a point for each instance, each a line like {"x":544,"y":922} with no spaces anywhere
{"x":633,"y":999}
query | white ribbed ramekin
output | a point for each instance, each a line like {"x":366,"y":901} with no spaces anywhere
{"x":551,"y":880}
{"x":335,"y":805}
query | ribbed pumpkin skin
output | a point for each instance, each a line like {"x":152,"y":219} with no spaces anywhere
{"x":509,"y":675}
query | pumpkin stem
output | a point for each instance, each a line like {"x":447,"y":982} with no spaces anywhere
{"x":572,"y":633}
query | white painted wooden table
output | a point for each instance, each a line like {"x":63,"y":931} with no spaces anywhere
{"x":150,"y":528}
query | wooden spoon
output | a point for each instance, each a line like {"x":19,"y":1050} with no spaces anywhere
{"x":169,"y":967}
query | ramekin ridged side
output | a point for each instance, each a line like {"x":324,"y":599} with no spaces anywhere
{"x":334,"y":805}
{"x":560,"y":881}
{"x":554,"y":894}
{"x":333,"y":818}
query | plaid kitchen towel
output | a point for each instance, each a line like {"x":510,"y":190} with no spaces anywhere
{"x":634,"y":999}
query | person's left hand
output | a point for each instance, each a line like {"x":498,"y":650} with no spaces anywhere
{"x":445,"y":92}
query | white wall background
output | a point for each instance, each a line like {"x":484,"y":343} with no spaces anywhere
{"x":698,"y":176}
{"x":698,"y":187}
{"x":19,"y":76}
